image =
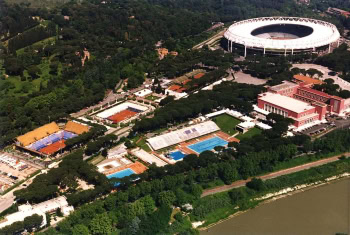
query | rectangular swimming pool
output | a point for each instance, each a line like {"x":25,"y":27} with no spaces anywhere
{"x":208,"y":144}
{"x":121,"y":174}
{"x":177,"y":155}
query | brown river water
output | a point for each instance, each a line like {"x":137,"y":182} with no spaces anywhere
{"x":321,"y":210}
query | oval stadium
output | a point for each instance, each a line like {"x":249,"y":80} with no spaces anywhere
{"x":282,"y":35}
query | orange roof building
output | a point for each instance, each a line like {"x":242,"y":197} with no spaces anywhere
{"x":38,"y":134}
{"x":307,"y":80}
{"x":76,"y":128}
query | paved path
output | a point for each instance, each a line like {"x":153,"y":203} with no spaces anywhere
{"x":241,"y":77}
{"x":211,"y":40}
{"x":241,"y":183}
{"x":337,"y":80}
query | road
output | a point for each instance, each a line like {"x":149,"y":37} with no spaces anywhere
{"x":211,"y":40}
{"x":241,"y":183}
{"x":8,"y":199}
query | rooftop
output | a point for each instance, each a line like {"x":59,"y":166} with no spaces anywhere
{"x":38,"y":133}
{"x":307,"y":79}
{"x":316,"y":92}
{"x":286,"y":102}
{"x":284,"y":85}
{"x":76,"y":128}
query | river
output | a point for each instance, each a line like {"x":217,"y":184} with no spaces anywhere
{"x":321,"y":210}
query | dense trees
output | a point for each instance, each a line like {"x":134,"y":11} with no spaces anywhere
{"x":225,"y":95}
{"x":30,"y":224}
{"x":63,"y":179}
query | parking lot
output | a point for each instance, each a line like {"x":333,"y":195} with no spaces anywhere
{"x":317,"y":129}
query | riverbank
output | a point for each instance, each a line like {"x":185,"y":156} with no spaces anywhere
{"x":217,"y":208}
{"x":268,"y":198}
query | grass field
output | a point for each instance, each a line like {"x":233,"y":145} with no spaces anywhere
{"x":142,"y":143}
{"x":249,"y":134}
{"x":96,"y":160}
{"x":227,"y":123}
{"x":152,"y":98}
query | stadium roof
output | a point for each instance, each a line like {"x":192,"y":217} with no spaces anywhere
{"x":182,"y":135}
{"x":38,"y":133}
{"x":307,"y":79}
{"x":76,"y":128}
{"x":323,"y":34}
{"x":285,"y":102}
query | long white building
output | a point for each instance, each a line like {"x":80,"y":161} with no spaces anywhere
{"x":39,"y":209}
{"x":175,"y":137}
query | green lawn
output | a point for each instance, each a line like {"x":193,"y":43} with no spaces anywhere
{"x":227,"y":123}
{"x":152,"y":98}
{"x":96,"y":160}
{"x":142,"y":144}
{"x":252,"y":132}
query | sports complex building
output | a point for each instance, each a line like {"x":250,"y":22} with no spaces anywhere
{"x":298,"y":101}
{"x":49,"y":139}
{"x":194,"y":139}
{"x":121,"y":112}
{"x":282,"y":35}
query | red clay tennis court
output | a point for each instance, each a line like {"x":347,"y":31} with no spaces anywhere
{"x":52,"y":148}
{"x":121,"y":116}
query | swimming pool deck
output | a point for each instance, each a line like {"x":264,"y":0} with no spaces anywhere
{"x":185,"y":149}
{"x":137,"y":167}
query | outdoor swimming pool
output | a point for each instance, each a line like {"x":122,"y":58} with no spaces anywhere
{"x":208,"y":144}
{"x":121,"y":174}
{"x":177,"y":155}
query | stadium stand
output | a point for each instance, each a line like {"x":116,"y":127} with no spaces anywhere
{"x":182,"y":135}
{"x":123,"y":106}
{"x":38,"y":134}
{"x":76,"y":128}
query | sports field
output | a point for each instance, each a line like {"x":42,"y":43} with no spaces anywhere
{"x":52,"y":148}
{"x":227,"y":123}
{"x":121,"y":116}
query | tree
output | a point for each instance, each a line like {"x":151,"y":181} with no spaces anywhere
{"x":256,"y":184}
{"x":166,"y":198}
{"x":32,"y":222}
{"x":149,"y":204}
{"x":33,"y":71}
{"x":101,"y":225}
{"x":134,"y":226}
{"x":80,"y":229}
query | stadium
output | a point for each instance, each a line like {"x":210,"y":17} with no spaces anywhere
{"x":49,"y":139}
{"x":282,"y":35}
{"x":121,"y":113}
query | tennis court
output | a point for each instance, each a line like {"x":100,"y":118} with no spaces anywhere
{"x":178,"y":155}
{"x":52,"y":148}
{"x":121,"y":116}
{"x":121,"y":174}
{"x":208,"y":144}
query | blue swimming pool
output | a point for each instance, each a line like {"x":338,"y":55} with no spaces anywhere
{"x":121,"y":174}
{"x":208,"y":144}
{"x":177,"y":155}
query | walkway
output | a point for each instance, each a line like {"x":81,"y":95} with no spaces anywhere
{"x":241,"y":183}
